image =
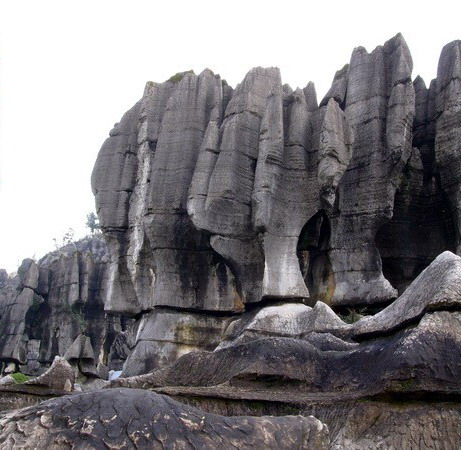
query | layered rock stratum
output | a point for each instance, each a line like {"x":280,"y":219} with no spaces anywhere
{"x":262,"y":254}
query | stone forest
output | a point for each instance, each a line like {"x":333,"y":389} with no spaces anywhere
{"x":272,"y":271}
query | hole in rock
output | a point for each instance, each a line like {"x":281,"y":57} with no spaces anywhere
{"x":314,"y":262}
{"x":421,"y":228}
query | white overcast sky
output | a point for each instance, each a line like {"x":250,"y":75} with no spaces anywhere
{"x":70,"y":69}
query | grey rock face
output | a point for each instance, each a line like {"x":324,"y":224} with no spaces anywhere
{"x":16,"y":301}
{"x":413,"y":345}
{"x":212,"y":198}
{"x":415,"y":360}
{"x":293,"y":320}
{"x":164,"y":335}
{"x":140,"y":419}
{"x":237,"y":222}
{"x":374,"y":425}
{"x":380,"y":106}
{"x":437,"y":288}
{"x":52,"y":302}
{"x":7,"y":380}
{"x":426,"y":198}
{"x":158,"y":257}
{"x":448,"y":127}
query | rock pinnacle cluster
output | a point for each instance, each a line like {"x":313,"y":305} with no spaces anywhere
{"x":263,"y":254}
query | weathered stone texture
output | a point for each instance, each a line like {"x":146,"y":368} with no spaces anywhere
{"x":219,"y":197}
{"x":261,"y":247}
{"x":128,"y":418}
{"x":165,"y":335}
{"x":55,"y":301}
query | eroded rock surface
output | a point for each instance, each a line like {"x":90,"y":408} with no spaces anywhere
{"x":438,"y":287}
{"x":379,"y":381}
{"x":128,"y":418}
{"x":421,"y":359}
{"x":53,"y":302}
{"x":59,"y":376}
{"x":212,"y":198}
{"x":165,"y":335}
{"x":239,"y":223}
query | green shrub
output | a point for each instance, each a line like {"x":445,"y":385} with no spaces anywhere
{"x":353,"y":315}
{"x":176,"y":78}
{"x":20,"y":377}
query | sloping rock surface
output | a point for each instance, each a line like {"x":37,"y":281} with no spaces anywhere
{"x":437,"y":287}
{"x":59,"y":376}
{"x":413,"y":345}
{"x":421,"y":359}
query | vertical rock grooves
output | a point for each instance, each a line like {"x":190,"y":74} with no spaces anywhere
{"x":212,"y":198}
{"x":54,"y":304}
{"x":203,"y":191}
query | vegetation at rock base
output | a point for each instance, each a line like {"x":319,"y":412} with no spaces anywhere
{"x":20,"y":377}
{"x":92,"y":222}
{"x":353,"y":315}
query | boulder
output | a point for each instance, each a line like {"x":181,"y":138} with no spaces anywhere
{"x":7,"y":380}
{"x":294,"y":320}
{"x":56,"y":377}
{"x":164,"y":335}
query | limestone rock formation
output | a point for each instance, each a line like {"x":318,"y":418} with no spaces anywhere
{"x":437,"y":288}
{"x":263,"y":254}
{"x":380,"y":106}
{"x":139,"y":419}
{"x":427,"y":195}
{"x":423,"y":359}
{"x":52,"y":302}
{"x":164,"y":335}
{"x":212,"y":199}
{"x":358,"y":377}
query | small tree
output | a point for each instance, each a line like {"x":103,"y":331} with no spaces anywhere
{"x":92,"y":222}
{"x":67,"y":239}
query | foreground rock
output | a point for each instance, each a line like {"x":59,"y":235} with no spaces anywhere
{"x":127,"y":418}
{"x":378,"y":381}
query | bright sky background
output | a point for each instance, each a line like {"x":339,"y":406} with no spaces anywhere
{"x":70,"y":69}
